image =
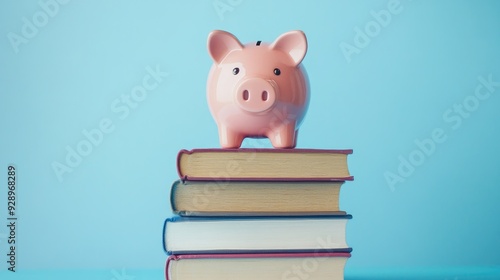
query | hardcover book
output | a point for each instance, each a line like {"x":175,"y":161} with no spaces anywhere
{"x":264,"y":164}
{"x":311,"y":266}
{"x":252,"y":198}
{"x":255,"y":234}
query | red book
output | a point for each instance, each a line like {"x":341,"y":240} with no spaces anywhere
{"x":311,"y":266}
{"x":263,"y":165}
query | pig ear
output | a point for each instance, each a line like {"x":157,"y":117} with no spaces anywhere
{"x":293,"y":43}
{"x":220,"y":43}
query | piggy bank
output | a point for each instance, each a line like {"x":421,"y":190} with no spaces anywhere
{"x":258,"y":89}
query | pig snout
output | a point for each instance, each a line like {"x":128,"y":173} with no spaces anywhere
{"x":256,"y":95}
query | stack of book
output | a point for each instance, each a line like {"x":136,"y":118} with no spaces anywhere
{"x":257,"y":214}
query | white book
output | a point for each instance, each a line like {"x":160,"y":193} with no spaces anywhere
{"x":255,"y":235}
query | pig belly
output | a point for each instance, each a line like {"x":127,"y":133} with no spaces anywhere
{"x":258,"y":124}
{"x":279,"y":125}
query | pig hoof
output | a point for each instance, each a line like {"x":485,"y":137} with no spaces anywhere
{"x":229,"y":139}
{"x":283,"y":141}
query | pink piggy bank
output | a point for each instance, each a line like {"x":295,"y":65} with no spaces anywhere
{"x":258,"y":89}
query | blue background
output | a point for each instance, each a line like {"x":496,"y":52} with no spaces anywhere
{"x":401,"y":83}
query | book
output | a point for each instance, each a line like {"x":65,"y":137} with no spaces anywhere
{"x":252,"y":198}
{"x":183,"y":235}
{"x":311,"y":266}
{"x":264,"y":164}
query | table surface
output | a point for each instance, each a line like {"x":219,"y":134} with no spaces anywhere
{"x":421,"y":273}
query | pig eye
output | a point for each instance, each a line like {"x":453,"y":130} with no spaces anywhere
{"x":236,"y":70}
{"x":277,"y":71}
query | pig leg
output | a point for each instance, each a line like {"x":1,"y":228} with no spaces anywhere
{"x":284,"y":136}
{"x":229,"y":138}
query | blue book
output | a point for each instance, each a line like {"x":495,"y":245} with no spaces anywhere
{"x":183,"y":235}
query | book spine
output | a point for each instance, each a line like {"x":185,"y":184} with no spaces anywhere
{"x":164,"y":236}
{"x":167,"y":266}
{"x":173,"y":192}
{"x":178,"y":165}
